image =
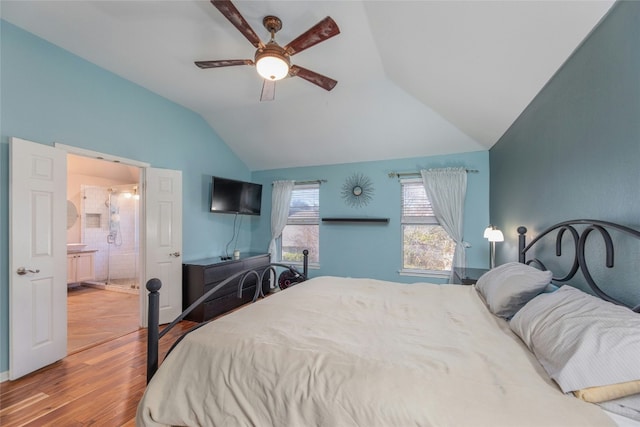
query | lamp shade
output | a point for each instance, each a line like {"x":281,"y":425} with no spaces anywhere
{"x":272,"y":67}
{"x":487,"y":231}
{"x":495,"y":235}
{"x":272,"y":62}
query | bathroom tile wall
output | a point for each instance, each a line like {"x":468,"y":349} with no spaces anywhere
{"x":119,"y":260}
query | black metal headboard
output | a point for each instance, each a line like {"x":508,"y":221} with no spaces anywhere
{"x":579,"y":240}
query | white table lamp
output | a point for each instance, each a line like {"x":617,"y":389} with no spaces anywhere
{"x":493,"y":235}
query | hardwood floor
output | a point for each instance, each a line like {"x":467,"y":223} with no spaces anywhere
{"x":95,"y":316}
{"x":99,"y":386}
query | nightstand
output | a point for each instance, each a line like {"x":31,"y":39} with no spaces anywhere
{"x":467,"y":276}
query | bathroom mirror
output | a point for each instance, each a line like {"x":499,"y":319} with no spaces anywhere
{"x":72,"y":214}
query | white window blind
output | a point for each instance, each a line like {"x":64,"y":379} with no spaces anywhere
{"x":426,"y":248}
{"x":416,"y":207}
{"x":305,"y":205}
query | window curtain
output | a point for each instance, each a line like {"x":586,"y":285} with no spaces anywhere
{"x":280,"y":201}
{"x":446,"y":189}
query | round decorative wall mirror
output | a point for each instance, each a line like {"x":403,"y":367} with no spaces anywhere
{"x":72,"y":214}
{"x":357,"y":191}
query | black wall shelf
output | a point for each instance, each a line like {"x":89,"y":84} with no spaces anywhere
{"x":359,"y":220}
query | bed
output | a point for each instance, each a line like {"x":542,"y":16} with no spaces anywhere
{"x":333,"y":351}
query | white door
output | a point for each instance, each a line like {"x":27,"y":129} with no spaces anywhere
{"x":37,"y":256}
{"x":163,"y":197}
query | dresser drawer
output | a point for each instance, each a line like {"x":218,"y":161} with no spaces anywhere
{"x":220,"y":272}
{"x":256,"y":262}
{"x":229,"y":288}
{"x":228,"y":302}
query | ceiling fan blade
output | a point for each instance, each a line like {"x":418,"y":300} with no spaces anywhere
{"x":268,"y":90}
{"x":320,"y":32}
{"x":233,"y":15}
{"x":311,"y":76}
{"x":223,"y":63}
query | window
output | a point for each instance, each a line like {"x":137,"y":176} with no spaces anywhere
{"x":302,"y":229}
{"x":426,"y":247}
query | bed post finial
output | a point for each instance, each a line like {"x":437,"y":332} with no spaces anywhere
{"x":522,"y":231}
{"x":153,"y":320}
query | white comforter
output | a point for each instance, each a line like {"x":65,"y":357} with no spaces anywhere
{"x":359,"y":352}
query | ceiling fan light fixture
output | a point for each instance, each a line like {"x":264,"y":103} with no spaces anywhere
{"x":272,"y":63}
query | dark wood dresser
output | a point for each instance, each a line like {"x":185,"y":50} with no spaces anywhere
{"x":200,"y":276}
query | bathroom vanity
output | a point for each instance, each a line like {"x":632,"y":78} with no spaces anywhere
{"x":80,"y":265}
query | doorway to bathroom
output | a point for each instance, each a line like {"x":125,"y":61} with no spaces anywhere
{"x":38,"y":209}
{"x":103,"y":251}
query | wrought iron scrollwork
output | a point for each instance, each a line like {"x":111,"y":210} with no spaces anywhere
{"x":580,"y":243}
{"x":576,"y":240}
{"x":561,"y":231}
{"x":608,"y":261}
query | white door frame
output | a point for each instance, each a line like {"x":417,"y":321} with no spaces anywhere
{"x":143,"y":166}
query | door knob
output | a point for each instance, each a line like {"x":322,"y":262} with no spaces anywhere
{"x":22,"y":271}
{"x":175,"y":254}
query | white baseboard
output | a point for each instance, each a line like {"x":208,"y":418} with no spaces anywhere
{"x":4,"y":376}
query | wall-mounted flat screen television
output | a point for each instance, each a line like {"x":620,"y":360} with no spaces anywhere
{"x":239,"y":197}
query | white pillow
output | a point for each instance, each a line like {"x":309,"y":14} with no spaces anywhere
{"x":580,"y":340}
{"x":508,"y":287}
{"x":626,"y":406}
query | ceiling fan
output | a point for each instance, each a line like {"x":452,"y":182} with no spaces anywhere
{"x":272,"y":61}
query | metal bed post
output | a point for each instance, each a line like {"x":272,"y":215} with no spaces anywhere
{"x":522,"y":231}
{"x":153,"y":286}
{"x":305,"y":263}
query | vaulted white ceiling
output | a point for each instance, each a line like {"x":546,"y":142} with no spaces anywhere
{"x":415,"y":78}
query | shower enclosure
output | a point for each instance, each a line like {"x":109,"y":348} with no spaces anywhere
{"x":111,"y":225}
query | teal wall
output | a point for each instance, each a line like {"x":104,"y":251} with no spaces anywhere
{"x":49,"y":95}
{"x":366,"y":250}
{"x":575,"y":151}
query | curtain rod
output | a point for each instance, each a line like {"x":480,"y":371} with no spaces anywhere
{"x":314,"y":181}
{"x":418,"y":174}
